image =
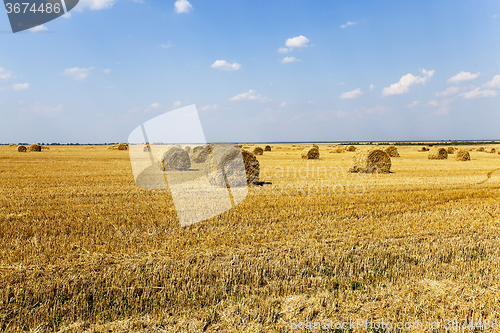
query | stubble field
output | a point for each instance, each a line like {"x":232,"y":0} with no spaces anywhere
{"x":82,"y":248}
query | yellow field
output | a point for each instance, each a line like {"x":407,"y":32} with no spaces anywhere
{"x":83,"y":248}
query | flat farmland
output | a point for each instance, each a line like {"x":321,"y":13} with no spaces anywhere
{"x":82,"y":248}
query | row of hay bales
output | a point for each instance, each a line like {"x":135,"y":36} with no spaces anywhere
{"x":437,"y":153}
{"x":377,"y":160}
{"x":392,"y":151}
{"x":373,"y":160}
{"x":177,"y":158}
{"x":485,"y":150}
{"x":227,"y":168}
{"x":34,"y":147}
{"x":120,"y":146}
{"x":260,"y":151}
{"x":451,"y":150}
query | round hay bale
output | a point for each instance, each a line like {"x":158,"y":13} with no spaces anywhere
{"x":22,"y":149}
{"x":146,"y":149}
{"x":310,"y":153}
{"x":122,"y":146}
{"x":492,"y":151}
{"x":258,"y":151}
{"x":174,"y":158}
{"x":371,"y":160}
{"x":437,"y":154}
{"x":337,"y":150}
{"x":450,"y":150}
{"x":462,"y":155}
{"x":228,"y":169}
{"x":350,"y":148}
{"x":267,"y":148}
{"x":199,"y":154}
{"x":424,"y":148}
{"x":480,"y":149}
{"x":35,"y":147}
{"x":392,"y":151}
{"x":187,"y":149}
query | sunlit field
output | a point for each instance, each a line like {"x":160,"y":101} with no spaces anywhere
{"x":82,"y":248}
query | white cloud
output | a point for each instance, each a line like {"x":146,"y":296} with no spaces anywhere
{"x":209,"y":107}
{"x":443,"y":106}
{"x":299,"y":41}
{"x":372,"y":86}
{"x":287,"y":60}
{"x":412,"y":104}
{"x":477,"y":93}
{"x":166,"y":46}
{"x":38,"y":28}
{"x":379,"y":109}
{"x":403,"y":86}
{"x":329,"y":115}
{"x":46,"y":110}
{"x":349,"y":23}
{"x":20,"y":86}
{"x":107,"y":71}
{"x":352,"y":94}
{"x":5,"y":74}
{"x":282,"y":105}
{"x":283,"y":50}
{"x":176,"y":104}
{"x":67,"y":15}
{"x":449,"y":91}
{"x":224,"y":65}
{"x":495,"y":16}
{"x":251,"y":95}
{"x":153,"y":106}
{"x":494,"y":83}
{"x":78,"y":73}
{"x":95,"y":4}
{"x":463,"y":76}
{"x":183,"y":6}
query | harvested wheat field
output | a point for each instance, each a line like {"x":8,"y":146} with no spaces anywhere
{"x":83,"y":249}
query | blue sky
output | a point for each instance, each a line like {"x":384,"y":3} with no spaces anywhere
{"x":256,"y":70}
